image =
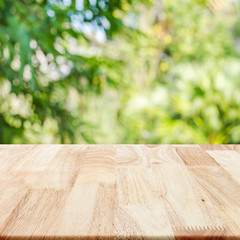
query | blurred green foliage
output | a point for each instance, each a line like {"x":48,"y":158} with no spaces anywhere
{"x":119,"y":71}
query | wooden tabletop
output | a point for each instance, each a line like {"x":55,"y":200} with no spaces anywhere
{"x":119,"y":192}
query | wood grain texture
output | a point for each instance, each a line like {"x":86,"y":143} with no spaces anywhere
{"x":119,"y":192}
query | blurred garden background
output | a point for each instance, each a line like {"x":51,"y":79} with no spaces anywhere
{"x":119,"y":71}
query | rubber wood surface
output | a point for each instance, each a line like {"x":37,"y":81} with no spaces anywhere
{"x":119,"y":192}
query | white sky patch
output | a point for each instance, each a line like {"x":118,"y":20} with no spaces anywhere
{"x":27,"y":75}
{"x":102,"y":4}
{"x":105,"y":23}
{"x":80,"y":5}
{"x":33,"y":44}
{"x":93,"y":2}
{"x":67,"y":2}
{"x":88,"y":14}
{"x":50,"y":13}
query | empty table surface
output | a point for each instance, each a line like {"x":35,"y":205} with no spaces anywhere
{"x":119,"y":191}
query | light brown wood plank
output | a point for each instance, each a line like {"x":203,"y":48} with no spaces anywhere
{"x":38,"y":213}
{"x":222,"y":191}
{"x":185,"y":203}
{"x":79,"y":209}
{"x":12,"y":190}
{"x":131,"y":156}
{"x":229,"y":160}
{"x":195,"y":156}
{"x":105,"y":192}
{"x":148,"y":222}
{"x":216,"y":146}
{"x":10,"y":157}
{"x":99,"y":164}
{"x":164,"y":154}
{"x":68,"y":158}
{"x":137,"y":186}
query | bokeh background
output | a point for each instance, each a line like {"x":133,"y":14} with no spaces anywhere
{"x":119,"y":71}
